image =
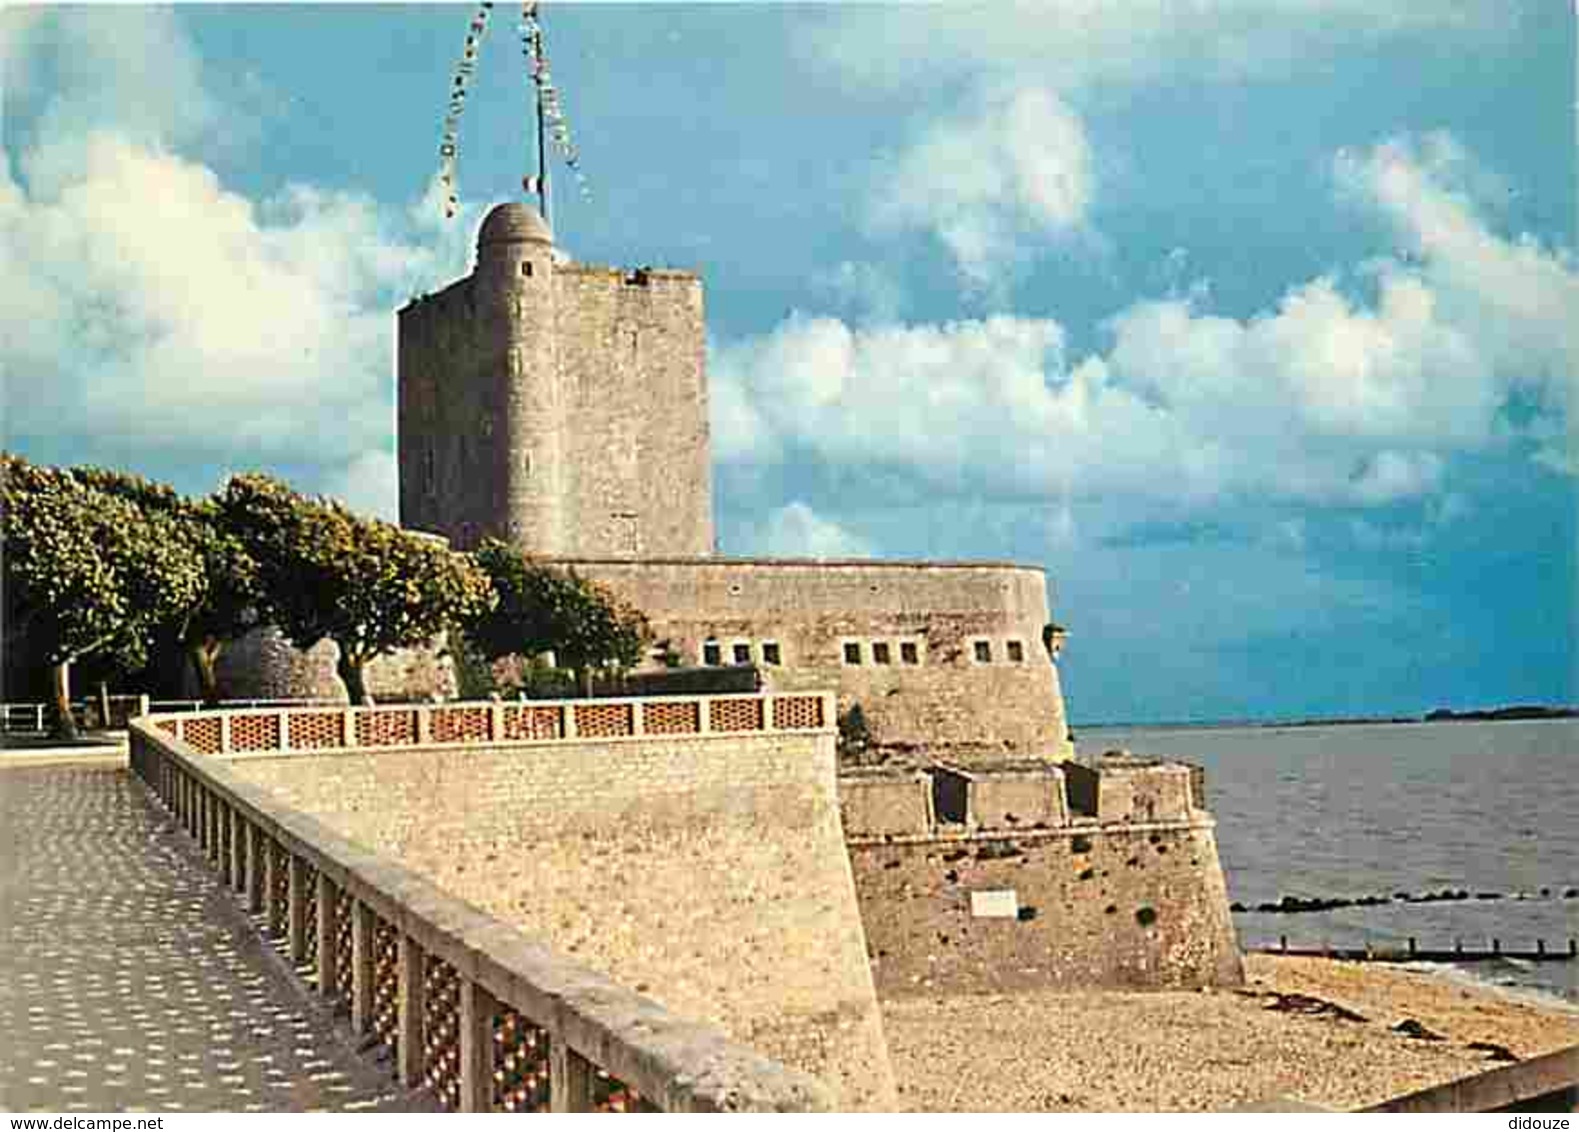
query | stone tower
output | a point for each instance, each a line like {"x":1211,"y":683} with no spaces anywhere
{"x":559,"y":406}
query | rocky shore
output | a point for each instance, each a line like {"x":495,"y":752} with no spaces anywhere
{"x":1335,"y":1034}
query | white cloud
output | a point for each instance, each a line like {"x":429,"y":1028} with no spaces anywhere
{"x":866,"y":289}
{"x":153,"y":308}
{"x":1078,"y":43}
{"x":178,"y":311}
{"x":1015,"y":162}
{"x":796,"y":531}
{"x":1325,"y":398}
{"x":368,"y":484}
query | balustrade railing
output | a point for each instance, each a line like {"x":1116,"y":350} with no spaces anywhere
{"x":471,"y":1009}
{"x":319,"y":727}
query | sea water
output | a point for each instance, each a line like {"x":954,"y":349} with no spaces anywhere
{"x":1378,"y":810}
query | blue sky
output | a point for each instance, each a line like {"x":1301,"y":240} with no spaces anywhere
{"x":1256,"y":322}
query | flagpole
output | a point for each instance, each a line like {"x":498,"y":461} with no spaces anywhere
{"x":542,"y":148}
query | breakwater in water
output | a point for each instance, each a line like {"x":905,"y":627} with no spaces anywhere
{"x":1294,"y":904}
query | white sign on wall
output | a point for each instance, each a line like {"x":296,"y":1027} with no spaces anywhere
{"x":995,"y":904}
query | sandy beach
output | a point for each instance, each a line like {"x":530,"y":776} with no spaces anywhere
{"x":1212,"y":1050}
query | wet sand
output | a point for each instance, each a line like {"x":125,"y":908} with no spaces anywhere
{"x":1110,"y":1051}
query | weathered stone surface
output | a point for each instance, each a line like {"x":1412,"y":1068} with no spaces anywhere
{"x":708,"y":873}
{"x":263,"y":665}
{"x":560,"y":406}
{"x":1114,"y":906}
{"x":946,"y":704}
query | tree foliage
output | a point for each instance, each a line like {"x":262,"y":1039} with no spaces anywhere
{"x":541,"y":608}
{"x":87,"y":573}
{"x":230,"y":597}
{"x":327,"y":574}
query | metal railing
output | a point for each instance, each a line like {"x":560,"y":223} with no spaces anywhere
{"x":35,"y":716}
{"x":473,"y":1010}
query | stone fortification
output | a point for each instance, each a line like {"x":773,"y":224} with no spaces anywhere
{"x":943,"y":659}
{"x":1131,"y":894}
{"x":558,"y":406}
{"x":263,"y":665}
{"x":563,"y":408}
{"x":707,"y":872}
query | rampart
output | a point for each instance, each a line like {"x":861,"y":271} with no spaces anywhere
{"x":688,"y":849}
{"x":1000,"y":877}
{"x":942,"y":659}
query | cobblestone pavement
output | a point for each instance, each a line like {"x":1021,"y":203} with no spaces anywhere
{"x":129,"y":977}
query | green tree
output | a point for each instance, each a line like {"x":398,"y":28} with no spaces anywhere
{"x":230,"y":597}
{"x":327,"y":574}
{"x":541,"y":608}
{"x":87,"y":573}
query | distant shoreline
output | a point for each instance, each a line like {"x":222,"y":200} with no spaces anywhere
{"x":1512,"y":713}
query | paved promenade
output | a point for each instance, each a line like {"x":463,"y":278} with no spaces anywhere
{"x":129,"y":979}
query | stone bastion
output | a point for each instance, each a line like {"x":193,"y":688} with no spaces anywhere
{"x":707,"y":853}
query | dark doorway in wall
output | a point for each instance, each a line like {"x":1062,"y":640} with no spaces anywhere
{"x":949,"y":794}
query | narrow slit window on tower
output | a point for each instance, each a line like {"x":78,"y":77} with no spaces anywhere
{"x":712,"y":655}
{"x":742,"y":651}
{"x":1016,"y":652}
{"x":852,"y":652}
{"x":881,"y":653}
{"x":771,"y":653}
{"x":526,"y":268}
{"x":983,"y":652}
{"x":908,"y":653}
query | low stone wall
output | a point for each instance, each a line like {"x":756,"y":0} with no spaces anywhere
{"x":707,"y":871}
{"x":1093,"y":905}
{"x":885,"y":803}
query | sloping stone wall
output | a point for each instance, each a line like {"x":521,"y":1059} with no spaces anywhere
{"x":707,"y":872}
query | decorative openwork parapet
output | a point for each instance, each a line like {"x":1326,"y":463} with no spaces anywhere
{"x":474,"y":1011}
{"x":266,"y":730}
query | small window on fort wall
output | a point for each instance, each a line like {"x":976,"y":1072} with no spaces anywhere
{"x":852,"y":652}
{"x":526,"y":268}
{"x":1016,"y":652}
{"x":742,"y":652}
{"x":711,"y":655}
{"x":880,"y":653}
{"x":770,"y":653}
{"x":983,"y":652}
{"x":908,"y":653}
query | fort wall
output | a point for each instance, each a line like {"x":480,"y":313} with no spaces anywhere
{"x":943,"y":659}
{"x":1020,"y":892}
{"x":707,"y":872}
{"x":631,"y":363}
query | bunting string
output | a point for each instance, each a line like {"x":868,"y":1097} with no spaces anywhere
{"x":535,"y":55}
{"x":549,"y":102}
{"x":449,"y":142}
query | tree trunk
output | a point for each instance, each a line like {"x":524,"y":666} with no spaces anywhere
{"x":205,"y":658}
{"x":104,"y":705}
{"x":350,"y":672}
{"x":65,"y":724}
